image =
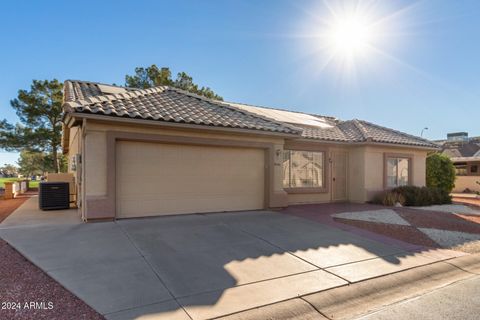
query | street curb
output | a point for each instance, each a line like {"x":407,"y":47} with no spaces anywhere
{"x":468,"y":263}
{"x":352,"y":300}
{"x":295,"y":308}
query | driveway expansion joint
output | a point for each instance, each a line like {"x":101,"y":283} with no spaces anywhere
{"x":292,"y":254}
{"x":435,"y":279}
{"x":246,"y":284}
{"x":153,"y":270}
{"x":136,"y":307}
{"x":343,"y":302}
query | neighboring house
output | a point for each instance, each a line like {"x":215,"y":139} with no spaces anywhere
{"x":465,"y":154}
{"x":163,"y":151}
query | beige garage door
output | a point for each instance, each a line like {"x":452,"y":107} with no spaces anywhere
{"x":160,"y":179}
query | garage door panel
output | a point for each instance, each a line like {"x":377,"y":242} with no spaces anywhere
{"x":165,"y":206}
{"x":157,"y":179}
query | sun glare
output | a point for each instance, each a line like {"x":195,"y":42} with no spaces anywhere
{"x":353,"y":38}
{"x":349,"y":35}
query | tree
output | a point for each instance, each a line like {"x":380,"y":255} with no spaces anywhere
{"x":34,"y":163}
{"x":40,"y":112}
{"x":440,"y":172}
{"x":153,"y":76}
{"x":8,"y":170}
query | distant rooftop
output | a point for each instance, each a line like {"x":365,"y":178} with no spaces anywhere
{"x":457,"y":137}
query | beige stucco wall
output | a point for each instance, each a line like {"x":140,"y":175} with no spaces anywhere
{"x":365,"y":172}
{"x":95,"y":159}
{"x":464,"y":182}
{"x":96,"y":143}
{"x":356,"y":174}
{"x":373,"y":175}
{"x":365,"y":176}
{"x":300,"y":198}
{"x":73,"y":145}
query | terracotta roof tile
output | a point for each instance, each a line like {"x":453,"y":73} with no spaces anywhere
{"x":363,"y":131}
{"x":165,"y":104}
{"x":175,"y":105}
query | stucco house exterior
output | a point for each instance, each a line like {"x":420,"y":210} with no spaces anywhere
{"x":464,"y":151}
{"x":162,"y":151}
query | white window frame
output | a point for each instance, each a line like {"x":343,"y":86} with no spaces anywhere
{"x":305,"y":189}
{"x":386,"y":173}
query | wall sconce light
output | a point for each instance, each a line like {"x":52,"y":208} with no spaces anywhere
{"x":278,"y":152}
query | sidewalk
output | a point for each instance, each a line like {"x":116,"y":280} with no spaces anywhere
{"x":351,"y":301}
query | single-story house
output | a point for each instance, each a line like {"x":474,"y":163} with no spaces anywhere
{"x":162,"y":151}
{"x":464,"y":152}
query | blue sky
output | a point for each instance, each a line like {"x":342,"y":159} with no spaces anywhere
{"x":259,"y":52}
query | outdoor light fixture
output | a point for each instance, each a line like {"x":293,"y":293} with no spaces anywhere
{"x":421,"y":133}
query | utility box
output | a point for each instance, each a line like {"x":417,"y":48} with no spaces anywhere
{"x":65,"y":177}
{"x":53,"y":195}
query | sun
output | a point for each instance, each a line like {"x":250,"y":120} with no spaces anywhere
{"x":353,"y":38}
{"x":350,"y":35}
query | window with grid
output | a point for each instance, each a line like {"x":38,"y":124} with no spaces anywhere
{"x":303,"y":169}
{"x":398,"y":171}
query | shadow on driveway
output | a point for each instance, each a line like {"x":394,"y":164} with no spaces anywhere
{"x":208,"y":265}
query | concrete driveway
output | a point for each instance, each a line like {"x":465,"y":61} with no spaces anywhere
{"x":200,"y":266}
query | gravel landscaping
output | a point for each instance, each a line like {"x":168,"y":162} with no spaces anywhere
{"x":451,"y":239}
{"x":387,"y":216}
{"x":425,"y":227}
{"x":438,"y":220}
{"x":451,"y":208}
{"x":8,"y":206}
{"x":32,"y":294}
{"x":404,"y":233}
{"x":26,"y":292}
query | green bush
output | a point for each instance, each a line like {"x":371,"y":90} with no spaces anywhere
{"x":440,"y":172}
{"x":410,"y":194}
{"x":423,"y":196}
{"x":441,"y":196}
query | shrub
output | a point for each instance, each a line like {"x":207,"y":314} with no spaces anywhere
{"x":440,"y":172}
{"x":410,"y":194}
{"x":392,"y":198}
{"x":378,"y":198}
{"x":423,"y":196}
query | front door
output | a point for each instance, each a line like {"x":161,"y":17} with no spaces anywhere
{"x":339,"y":175}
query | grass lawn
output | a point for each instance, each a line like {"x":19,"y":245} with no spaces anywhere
{"x":33,"y":184}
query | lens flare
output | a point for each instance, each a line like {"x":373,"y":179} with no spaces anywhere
{"x":353,"y":38}
{"x":349,"y":35}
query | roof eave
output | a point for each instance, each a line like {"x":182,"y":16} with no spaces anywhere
{"x":115,"y":119}
{"x":465,"y":159}
{"x":368,"y":143}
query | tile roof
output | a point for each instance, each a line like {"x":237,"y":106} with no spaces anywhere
{"x":164,"y":104}
{"x":363,"y":131}
{"x":461,"y":149}
{"x":81,"y":90}
{"x":174,"y":105}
